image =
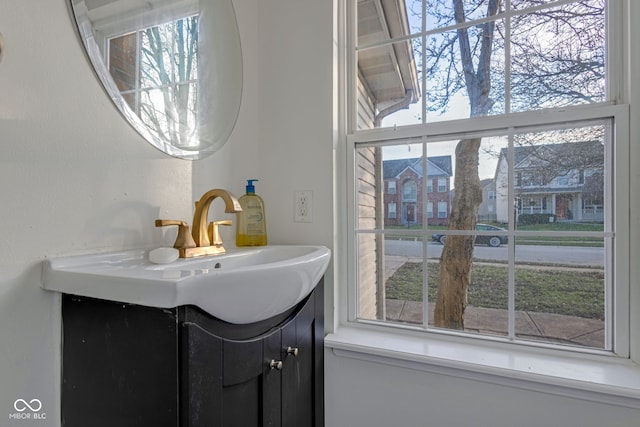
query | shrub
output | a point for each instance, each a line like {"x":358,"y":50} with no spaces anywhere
{"x":530,"y":219}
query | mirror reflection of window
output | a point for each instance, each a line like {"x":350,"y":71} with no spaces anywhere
{"x":173,"y":68}
{"x":155,"y":69}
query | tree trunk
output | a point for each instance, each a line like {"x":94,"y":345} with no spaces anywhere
{"x":457,"y":255}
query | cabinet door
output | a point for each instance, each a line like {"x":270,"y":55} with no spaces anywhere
{"x":272,"y":380}
{"x":225,"y":382}
{"x":298,"y":394}
{"x":200,"y":377}
{"x":119,"y":364}
{"x":242,"y":390}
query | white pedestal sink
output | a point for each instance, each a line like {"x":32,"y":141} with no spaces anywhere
{"x":245,"y":285}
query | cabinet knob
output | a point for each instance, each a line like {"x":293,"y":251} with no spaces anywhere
{"x":276,"y":364}
{"x":292,"y":351}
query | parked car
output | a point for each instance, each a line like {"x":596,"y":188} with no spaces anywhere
{"x":493,"y":241}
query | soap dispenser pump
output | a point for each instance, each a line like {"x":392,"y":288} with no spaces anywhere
{"x":251,"y":227}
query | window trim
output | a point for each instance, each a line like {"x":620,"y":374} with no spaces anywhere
{"x":367,"y":343}
{"x":587,"y":377}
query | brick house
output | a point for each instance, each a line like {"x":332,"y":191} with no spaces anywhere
{"x":404,"y":192}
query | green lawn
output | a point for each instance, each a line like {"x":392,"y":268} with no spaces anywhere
{"x":561,"y":291}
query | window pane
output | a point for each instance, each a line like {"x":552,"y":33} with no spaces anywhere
{"x":377,"y":23}
{"x":559,"y":177}
{"x":487,"y":294}
{"x":403,"y":164}
{"x":523,"y":4}
{"x":404,"y":289}
{"x":388,"y":86}
{"x":122,"y":61}
{"x":366,"y":187}
{"x":441,"y":13}
{"x":169,"y":53}
{"x":450,"y":92}
{"x":441,"y":156}
{"x":390,"y":278}
{"x":171,"y":112}
{"x":558,"y":56}
{"x":560,"y":290}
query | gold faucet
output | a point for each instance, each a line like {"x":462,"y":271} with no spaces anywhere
{"x":203,"y":240}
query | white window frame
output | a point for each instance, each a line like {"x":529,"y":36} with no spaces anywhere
{"x":618,"y":265}
{"x":591,"y":377}
{"x":477,"y":126}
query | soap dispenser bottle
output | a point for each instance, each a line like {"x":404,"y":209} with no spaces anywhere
{"x":251,"y":227}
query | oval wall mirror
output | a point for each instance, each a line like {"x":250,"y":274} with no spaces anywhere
{"x":172,"y":67}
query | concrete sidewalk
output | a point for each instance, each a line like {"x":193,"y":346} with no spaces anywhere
{"x":529,"y":325}
{"x":546,"y":327}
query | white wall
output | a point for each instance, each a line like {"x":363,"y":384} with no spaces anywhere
{"x":286,"y":136}
{"x":295,"y":140}
{"x":76,"y":179}
{"x":361,"y":393}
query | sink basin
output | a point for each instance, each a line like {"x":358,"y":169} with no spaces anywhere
{"x":245,"y":285}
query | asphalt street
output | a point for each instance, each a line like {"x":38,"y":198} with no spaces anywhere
{"x":561,"y":255}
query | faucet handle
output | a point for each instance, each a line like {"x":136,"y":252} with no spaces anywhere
{"x":184,"y":238}
{"x":214,"y":233}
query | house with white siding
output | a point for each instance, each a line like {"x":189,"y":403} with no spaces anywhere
{"x":542,"y":185}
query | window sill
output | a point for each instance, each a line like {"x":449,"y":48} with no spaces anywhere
{"x":595,"y":378}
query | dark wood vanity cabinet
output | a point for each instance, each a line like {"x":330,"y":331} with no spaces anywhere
{"x":130,"y":365}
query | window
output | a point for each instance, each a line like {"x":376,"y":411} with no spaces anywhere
{"x":409,"y":191}
{"x":155,"y":69}
{"x":391,"y":185}
{"x":391,"y":210}
{"x":442,"y":209}
{"x":460,"y":116}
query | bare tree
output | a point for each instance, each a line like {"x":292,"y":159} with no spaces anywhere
{"x":557,"y":58}
{"x":168,"y":71}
